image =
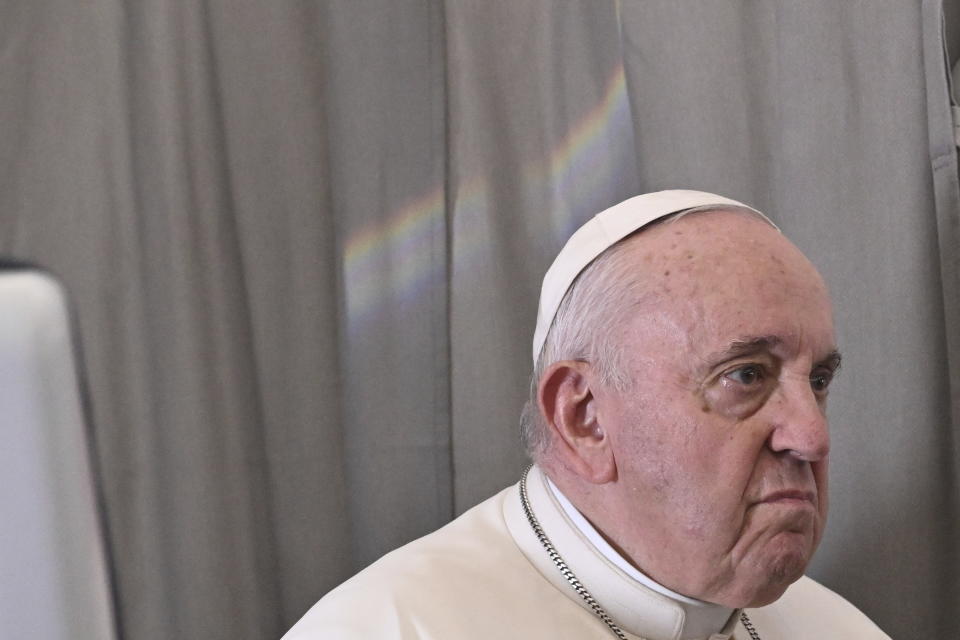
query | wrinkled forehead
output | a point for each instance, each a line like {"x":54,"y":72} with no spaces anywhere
{"x":605,"y":230}
{"x":721,"y":274}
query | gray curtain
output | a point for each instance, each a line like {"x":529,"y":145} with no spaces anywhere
{"x":305,"y":241}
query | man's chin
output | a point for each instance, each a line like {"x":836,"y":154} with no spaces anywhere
{"x":773,"y":576}
{"x":763,"y":576}
{"x":768,"y":594}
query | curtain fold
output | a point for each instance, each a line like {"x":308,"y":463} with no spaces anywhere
{"x":540,"y":139}
{"x":941,"y":119}
{"x":306,"y":242}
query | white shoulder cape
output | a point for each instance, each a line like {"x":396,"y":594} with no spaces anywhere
{"x":486,"y":576}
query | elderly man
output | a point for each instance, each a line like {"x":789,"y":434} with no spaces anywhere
{"x":683,"y":355}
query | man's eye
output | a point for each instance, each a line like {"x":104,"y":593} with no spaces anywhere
{"x":748,"y":375}
{"x":820,"y":380}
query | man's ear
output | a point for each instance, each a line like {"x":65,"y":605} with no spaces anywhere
{"x":568,"y":406}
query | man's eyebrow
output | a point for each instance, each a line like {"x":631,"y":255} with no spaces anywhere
{"x":744,"y":346}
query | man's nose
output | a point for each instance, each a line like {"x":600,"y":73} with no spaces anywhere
{"x":800,"y":426}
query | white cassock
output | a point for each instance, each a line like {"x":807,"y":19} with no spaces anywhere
{"x":487,"y":576}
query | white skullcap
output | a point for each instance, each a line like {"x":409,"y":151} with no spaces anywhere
{"x":604,"y":230}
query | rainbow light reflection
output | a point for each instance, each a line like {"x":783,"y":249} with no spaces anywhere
{"x":396,"y":260}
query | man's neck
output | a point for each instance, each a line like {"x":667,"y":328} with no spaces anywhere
{"x":703,"y":618}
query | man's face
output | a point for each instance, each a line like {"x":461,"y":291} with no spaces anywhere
{"x":721,"y":437}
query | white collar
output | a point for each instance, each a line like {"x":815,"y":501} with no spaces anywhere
{"x":640,"y":606}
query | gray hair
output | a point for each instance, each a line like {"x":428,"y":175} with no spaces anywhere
{"x":580,"y":331}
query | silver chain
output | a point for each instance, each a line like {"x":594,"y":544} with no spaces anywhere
{"x":572,"y":579}
{"x":745,"y":621}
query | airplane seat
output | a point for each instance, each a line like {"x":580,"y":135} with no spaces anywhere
{"x":55,"y":578}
